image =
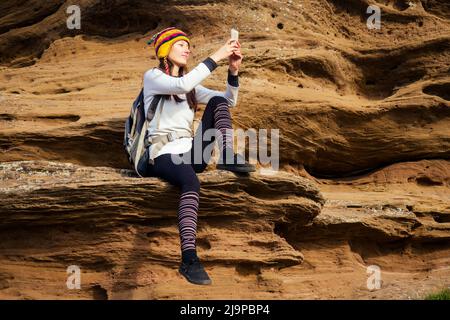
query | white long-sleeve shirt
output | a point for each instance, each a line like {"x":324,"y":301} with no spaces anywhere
{"x":179,"y":116}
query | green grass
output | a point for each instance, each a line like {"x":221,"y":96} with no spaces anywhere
{"x":441,"y":295}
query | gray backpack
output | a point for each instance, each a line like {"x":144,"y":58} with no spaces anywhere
{"x":136,"y":140}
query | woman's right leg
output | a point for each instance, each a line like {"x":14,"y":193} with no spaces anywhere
{"x":183,"y":176}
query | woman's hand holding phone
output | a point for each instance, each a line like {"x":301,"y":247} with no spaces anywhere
{"x":235,"y":60}
{"x":226,"y":50}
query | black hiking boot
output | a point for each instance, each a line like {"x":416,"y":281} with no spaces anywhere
{"x":194,"y":272}
{"x":234,"y":162}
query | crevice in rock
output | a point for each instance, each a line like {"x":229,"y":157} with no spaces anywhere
{"x":427,"y":181}
{"x":7,"y":117}
{"x":246,"y":269}
{"x":386,"y":70}
{"x":439,"y":217}
{"x":203,"y":243}
{"x":367,"y":248}
{"x":438,"y":89}
{"x":99,"y":293}
{"x":437,"y":7}
{"x":401,"y":5}
{"x":31,"y":12}
{"x":355,"y":174}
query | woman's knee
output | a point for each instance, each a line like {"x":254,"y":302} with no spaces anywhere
{"x":217,"y":100}
{"x":199,"y":167}
{"x":192,"y":184}
{"x":181,"y":175}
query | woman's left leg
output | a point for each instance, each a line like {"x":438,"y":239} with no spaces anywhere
{"x":217,"y":118}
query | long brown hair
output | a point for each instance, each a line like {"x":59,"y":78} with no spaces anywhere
{"x":190,"y":96}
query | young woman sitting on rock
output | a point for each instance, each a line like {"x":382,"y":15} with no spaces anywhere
{"x":181,"y":92}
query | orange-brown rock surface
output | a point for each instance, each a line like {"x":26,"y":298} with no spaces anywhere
{"x":364,"y":119}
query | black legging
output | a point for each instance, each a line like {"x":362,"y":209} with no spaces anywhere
{"x":183,"y":175}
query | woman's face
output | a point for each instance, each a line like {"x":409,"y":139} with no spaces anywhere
{"x":179,"y":53}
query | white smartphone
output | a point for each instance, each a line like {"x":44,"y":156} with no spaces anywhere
{"x":234,"y":34}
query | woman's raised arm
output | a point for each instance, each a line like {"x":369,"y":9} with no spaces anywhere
{"x":203,"y":95}
{"x":157,"y":82}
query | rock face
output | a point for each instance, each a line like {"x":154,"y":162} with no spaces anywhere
{"x":364,"y":118}
{"x":265,"y":236}
{"x":78,"y":209}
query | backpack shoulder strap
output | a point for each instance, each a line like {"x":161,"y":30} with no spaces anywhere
{"x":152,"y":108}
{"x":159,"y":114}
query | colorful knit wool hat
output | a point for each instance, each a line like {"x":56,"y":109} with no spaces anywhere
{"x":163,"y":40}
